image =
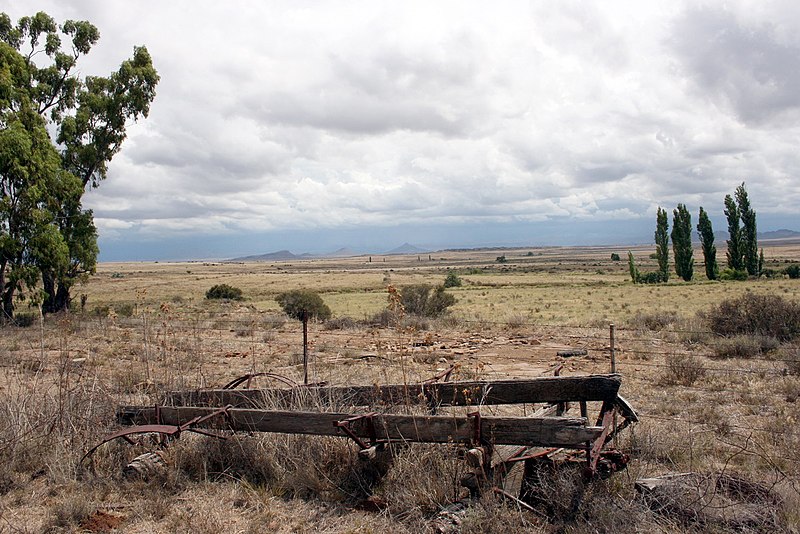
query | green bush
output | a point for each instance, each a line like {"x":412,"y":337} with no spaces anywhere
{"x":764,"y":315}
{"x":224,"y":291}
{"x":792,"y":271}
{"x":422,"y":299}
{"x":452,"y":280}
{"x":739,"y":275}
{"x":302,"y":304}
{"x":654,"y":277}
{"x":615,"y":257}
{"x":501,"y":259}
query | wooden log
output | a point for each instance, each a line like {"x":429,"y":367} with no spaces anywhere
{"x":540,"y":431}
{"x":483,"y":392}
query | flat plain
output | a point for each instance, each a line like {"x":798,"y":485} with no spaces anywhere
{"x":146,"y":328}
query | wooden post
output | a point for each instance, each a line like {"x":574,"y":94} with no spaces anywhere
{"x":305,"y":348}
{"x":613,"y":370}
{"x":613,"y":352}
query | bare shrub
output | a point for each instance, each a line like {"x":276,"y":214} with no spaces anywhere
{"x":744,"y":346}
{"x":341,"y":323}
{"x":791,"y":357}
{"x":765,"y":315}
{"x":683,"y":370}
{"x":654,"y":321}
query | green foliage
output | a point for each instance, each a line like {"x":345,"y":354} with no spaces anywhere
{"x":422,"y":299}
{"x":88,"y":118}
{"x":632,"y":269}
{"x":706,"y":232}
{"x":501,"y":259}
{"x":682,"y":242}
{"x":662,"y":244}
{"x":452,"y":280}
{"x":792,"y":271}
{"x":739,"y":275}
{"x":653,"y":277}
{"x":303,"y":304}
{"x":750,"y":314}
{"x":615,"y":257}
{"x":224,"y":292}
{"x":749,"y":239}
{"x":734,"y":253}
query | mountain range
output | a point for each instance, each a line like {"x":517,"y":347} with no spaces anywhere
{"x":408,"y":248}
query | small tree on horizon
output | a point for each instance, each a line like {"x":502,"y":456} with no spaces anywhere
{"x":662,"y":243}
{"x":682,"y":242}
{"x":302,"y":304}
{"x":706,"y":232}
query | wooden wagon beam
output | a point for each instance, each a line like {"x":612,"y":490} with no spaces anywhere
{"x":540,"y":431}
{"x":486,"y":392}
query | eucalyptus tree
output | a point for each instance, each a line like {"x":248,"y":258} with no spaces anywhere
{"x":87,"y":116}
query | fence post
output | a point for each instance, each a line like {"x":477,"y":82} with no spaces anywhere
{"x":613,"y":370}
{"x":613,"y":353}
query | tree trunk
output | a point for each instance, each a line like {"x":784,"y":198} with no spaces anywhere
{"x":56,"y":294}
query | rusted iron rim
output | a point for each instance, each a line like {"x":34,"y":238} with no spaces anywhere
{"x":166,"y":431}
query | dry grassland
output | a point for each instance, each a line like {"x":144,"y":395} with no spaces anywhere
{"x":147,"y":328}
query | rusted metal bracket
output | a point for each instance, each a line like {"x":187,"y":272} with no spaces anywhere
{"x":344,"y":426}
{"x":444,"y":376}
{"x":248,"y":378}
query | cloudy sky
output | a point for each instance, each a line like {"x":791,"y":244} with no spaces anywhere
{"x":315,"y":125}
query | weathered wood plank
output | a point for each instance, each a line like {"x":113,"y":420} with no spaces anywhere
{"x":486,"y":392}
{"x":530,"y":431}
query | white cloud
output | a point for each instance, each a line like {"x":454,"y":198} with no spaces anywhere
{"x":325,"y":114}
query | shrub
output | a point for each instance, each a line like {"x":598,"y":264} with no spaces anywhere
{"x":683,"y":370}
{"x":745,"y":346}
{"x":501,"y":259}
{"x":420,"y":300}
{"x":302,"y":304}
{"x":615,"y":256}
{"x":341,"y":323}
{"x":653,"y":321}
{"x":792,"y":271}
{"x":653,"y":277}
{"x":224,"y":291}
{"x":25,"y":319}
{"x":739,"y":275}
{"x":765,"y":315}
{"x":452,"y":280}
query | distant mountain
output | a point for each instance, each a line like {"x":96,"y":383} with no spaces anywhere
{"x":281,"y":255}
{"x":344,"y":252}
{"x":406,"y":248}
{"x":783,"y":233}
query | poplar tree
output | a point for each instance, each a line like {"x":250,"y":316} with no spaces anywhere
{"x":749,"y":239}
{"x":734,"y":253}
{"x":662,"y":244}
{"x":706,"y":232}
{"x":682,"y":242}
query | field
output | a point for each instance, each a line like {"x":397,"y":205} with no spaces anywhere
{"x":708,"y":404}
